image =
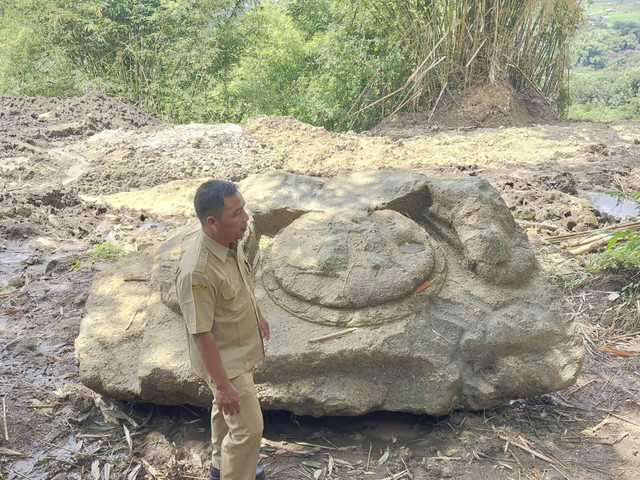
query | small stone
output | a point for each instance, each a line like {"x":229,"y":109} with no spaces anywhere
{"x":24,"y":211}
{"x":16,"y":281}
{"x":195,"y":142}
{"x":81,"y":299}
{"x":53,"y":220}
{"x":65,"y":129}
{"x":47,"y":244}
{"x":22,"y":299}
{"x":33,"y":260}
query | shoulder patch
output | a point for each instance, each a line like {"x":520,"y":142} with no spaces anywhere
{"x":199,"y":286}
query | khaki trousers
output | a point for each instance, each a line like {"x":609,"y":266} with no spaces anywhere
{"x":236,"y":438}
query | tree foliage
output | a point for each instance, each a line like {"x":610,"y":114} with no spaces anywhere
{"x":605,"y":74}
{"x":338,"y":64}
{"x":30,"y":62}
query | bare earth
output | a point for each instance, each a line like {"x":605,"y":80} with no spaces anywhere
{"x":58,"y":198}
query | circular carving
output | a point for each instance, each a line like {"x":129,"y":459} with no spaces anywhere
{"x":350,"y":268}
{"x":351,"y":261}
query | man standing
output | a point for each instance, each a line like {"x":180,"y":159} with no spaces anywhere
{"x":225,"y":328}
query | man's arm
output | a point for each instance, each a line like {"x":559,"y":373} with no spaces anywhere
{"x":226,"y":395}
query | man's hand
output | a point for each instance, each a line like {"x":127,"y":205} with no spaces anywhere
{"x":226,"y":395}
{"x":227,"y":399}
{"x":264,"y":326}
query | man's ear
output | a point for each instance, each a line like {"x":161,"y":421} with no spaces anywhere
{"x":211,"y":222}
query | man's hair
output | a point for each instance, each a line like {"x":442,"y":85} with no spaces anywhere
{"x":209,"y":198}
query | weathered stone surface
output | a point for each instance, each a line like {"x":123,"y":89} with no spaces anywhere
{"x":451,"y":309}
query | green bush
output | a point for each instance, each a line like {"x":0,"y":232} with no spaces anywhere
{"x":621,"y":256}
{"x":30,"y":62}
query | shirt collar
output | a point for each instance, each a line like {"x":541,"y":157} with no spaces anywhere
{"x":214,"y":247}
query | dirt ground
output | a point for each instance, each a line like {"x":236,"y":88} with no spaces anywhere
{"x":55,"y":428}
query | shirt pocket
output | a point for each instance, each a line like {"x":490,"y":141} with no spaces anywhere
{"x":229,"y":290}
{"x":235,"y":299}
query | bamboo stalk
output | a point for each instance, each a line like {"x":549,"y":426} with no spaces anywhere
{"x":590,"y":240}
{"x":332,"y":336}
{"x":621,"y":226}
{"x":528,"y":32}
{"x":589,"y":247}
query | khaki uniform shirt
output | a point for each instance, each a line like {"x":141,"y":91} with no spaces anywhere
{"x":215,"y":293}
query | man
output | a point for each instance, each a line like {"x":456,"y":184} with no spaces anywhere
{"x":225,"y":328}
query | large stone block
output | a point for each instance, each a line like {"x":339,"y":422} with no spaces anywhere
{"x":450,"y":307}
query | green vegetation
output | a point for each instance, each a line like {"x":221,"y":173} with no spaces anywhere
{"x":621,"y":257}
{"x":337,"y":64}
{"x":605,"y":63}
{"x":106,"y":250}
{"x":615,"y":11}
{"x":75,"y":264}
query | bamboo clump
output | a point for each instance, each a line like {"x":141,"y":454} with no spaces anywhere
{"x":454,"y":45}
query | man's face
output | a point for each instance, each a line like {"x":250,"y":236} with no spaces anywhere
{"x":231,"y":224}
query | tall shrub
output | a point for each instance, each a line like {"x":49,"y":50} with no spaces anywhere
{"x":455,"y":44}
{"x":30,"y":62}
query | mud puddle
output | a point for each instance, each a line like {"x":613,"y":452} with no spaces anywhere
{"x":615,"y":206}
{"x":11,"y":257}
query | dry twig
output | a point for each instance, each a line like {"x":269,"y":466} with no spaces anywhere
{"x":5,"y":432}
{"x":332,"y":336}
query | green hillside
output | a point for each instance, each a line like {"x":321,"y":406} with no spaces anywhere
{"x":605,"y":63}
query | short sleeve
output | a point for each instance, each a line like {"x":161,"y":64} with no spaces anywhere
{"x":197,"y":302}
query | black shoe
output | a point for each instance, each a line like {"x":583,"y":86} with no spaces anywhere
{"x":214,"y":474}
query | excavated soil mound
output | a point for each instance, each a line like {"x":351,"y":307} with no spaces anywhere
{"x":487,"y":106}
{"x":28,"y":125}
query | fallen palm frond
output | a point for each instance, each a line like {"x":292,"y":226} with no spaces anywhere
{"x":11,"y":453}
{"x":615,"y":351}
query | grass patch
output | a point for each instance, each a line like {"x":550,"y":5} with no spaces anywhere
{"x":615,"y":11}
{"x":622,"y":262}
{"x":106,"y":251}
{"x":75,"y":264}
